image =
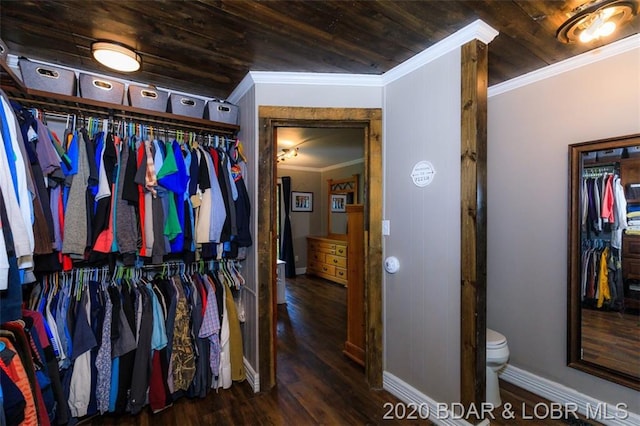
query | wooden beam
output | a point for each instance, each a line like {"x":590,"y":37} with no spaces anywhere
{"x":473,"y":182}
{"x":266,"y":258}
{"x":373,"y":265}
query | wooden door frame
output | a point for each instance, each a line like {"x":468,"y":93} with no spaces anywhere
{"x":369,"y":119}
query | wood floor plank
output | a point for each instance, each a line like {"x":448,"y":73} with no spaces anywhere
{"x":316,"y":383}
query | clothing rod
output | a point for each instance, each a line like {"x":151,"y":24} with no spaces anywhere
{"x":179,"y":263}
{"x":85,"y":111}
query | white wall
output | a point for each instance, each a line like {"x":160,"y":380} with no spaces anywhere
{"x":422,"y":300}
{"x":248,"y":128}
{"x":529,"y":130}
{"x":304,"y":223}
{"x":318,"y":95}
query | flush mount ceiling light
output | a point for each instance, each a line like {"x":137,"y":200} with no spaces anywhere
{"x":596,"y":19}
{"x":116,"y":56}
{"x":287,"y":153}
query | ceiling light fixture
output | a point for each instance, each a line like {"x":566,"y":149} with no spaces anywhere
{"x":116,"y":56}
{"x":287,"y":153}
{"x":596,"y":19}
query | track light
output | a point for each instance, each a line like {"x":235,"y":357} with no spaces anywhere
{"x":287,"y":154}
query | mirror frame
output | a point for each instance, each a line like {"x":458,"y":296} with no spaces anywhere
{"x":348,"y":185}
{"x":574,"y":319}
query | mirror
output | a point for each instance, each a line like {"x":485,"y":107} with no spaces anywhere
{"x":604,"y":259}
{"x":340,"y":193}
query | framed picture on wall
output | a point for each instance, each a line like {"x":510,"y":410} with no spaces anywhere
{"x":301,"y":201}
{"x":339,"y":203}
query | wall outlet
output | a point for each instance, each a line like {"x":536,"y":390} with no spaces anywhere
{"x":296,"y":258}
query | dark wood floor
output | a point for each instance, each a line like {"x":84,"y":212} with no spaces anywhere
{"x":611,"y":339}
{"x":316,"y":383}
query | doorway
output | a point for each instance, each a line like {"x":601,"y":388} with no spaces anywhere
{"x":370,"y":120}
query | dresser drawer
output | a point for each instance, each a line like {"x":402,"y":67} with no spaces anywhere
{"x":341,"y":250}
{"x":631,"y":268}
{"x":327,"y":269}
{"x":322,"y":247}
{"x":341,"y":273}
{"x":313,"y":266}
{"x":336,"y":261}
{"x":316,"y":256}
{"x":631,"y":245}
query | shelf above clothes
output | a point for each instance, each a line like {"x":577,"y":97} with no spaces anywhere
{"x":47,"y":101}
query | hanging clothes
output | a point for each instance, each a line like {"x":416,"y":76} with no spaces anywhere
{"x":130,"y":340}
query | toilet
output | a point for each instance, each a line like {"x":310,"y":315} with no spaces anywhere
{"x":497,"y":357}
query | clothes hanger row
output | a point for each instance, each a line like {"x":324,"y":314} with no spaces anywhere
{"x":598,"y":171}
{"x":114,"y":122}
{"x":144,"y":131}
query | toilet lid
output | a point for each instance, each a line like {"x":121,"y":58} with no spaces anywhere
{"x":494,"y":338}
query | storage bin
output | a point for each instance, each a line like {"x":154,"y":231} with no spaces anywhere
{"x":633,"y":151}
{"x":185,"y":105}
{"x":610,"y":154}
{"x":221,"y":111}
{"x":101,"y":89}
{"x":589,"y":157}
{"x":47,"y":78}
{"x":148,"y":98}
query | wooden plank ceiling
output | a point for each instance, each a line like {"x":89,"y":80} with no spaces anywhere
{"x":206,"y":47}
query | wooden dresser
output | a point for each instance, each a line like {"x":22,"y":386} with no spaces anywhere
{"x":630,"y":173}
{"x":327,"y":258}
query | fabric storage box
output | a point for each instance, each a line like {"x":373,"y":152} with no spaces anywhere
{"x":221,"y":111}
{"x":47,"y":78}
{"x":148,"y":98}
{"x":101,"y":89}
{"x":589,"y":157}
{"x":633,"y":151}
{"x":610,"y":154}
{"x":186,"y":105}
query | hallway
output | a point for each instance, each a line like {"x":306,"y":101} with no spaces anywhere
{"x":311,"y":369}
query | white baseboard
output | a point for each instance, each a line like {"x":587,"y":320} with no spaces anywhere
{"x":410,"y":395}
{"x":590,"y":407}
{"x":252,"y":377}
{"x":570,"y":399}
{"x":301,"y":271}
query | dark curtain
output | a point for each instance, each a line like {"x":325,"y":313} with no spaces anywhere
{"x":286,"y":249}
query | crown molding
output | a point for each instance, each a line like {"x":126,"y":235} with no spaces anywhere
{"x":321,"y":169}
{"x":241,"y":89}
{"x":587,"y":58}
{"x":299,"y":168}
{"x":476,"y":30}
{"x":301,"y":78}
{"x":329,"y":79}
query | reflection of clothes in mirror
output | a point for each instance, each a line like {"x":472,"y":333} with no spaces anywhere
{"x":601,"y":277}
